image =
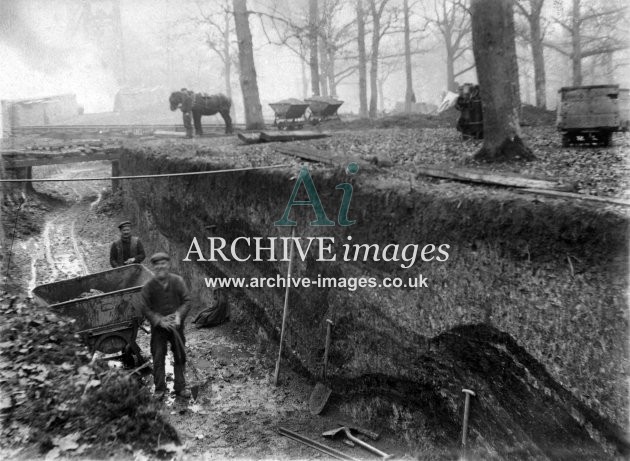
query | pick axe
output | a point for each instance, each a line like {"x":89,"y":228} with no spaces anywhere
{"x":468,"y":393}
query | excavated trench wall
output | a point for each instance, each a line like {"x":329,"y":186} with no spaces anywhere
{"x":550,"y":275}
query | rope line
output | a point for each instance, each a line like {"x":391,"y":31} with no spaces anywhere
{"x":145,"y":176}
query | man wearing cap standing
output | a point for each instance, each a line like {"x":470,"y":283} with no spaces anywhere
{"x":166,"y":302}
{"x":126,"y":250}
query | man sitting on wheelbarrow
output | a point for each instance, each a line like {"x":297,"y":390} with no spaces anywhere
{"x":166,"y":302}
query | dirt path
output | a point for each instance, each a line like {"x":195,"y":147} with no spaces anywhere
{"x":238,"y":409}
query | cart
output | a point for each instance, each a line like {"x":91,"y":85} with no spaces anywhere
{"x":289,"y":114}
{"x":107,"y":319}
{"x":323,"y":108}
{"x":591,"y":114}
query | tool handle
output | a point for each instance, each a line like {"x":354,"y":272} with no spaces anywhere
{"x":465,"y":425}
{"x":367,"y":446}
{"x":326,"y":349}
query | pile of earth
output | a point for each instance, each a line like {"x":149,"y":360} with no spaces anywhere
{"x":519,"y":411}
{"x":55,"y":398}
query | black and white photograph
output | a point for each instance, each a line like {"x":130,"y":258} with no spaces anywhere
{"x":314,"y":229}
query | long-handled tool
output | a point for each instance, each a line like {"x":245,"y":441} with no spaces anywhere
{"x":276,"y":374}
{"x":316,"y":445}
{"x":468,"y":393}
{"x":321,"y":392}
{"x":346,"y":431}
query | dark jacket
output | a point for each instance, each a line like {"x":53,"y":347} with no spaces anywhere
{"x":159,"y":301}
{"x":121,"y":251}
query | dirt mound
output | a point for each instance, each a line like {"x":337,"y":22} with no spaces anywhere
{"x":446,"y":119}
{"x":535,"y":116}
{"x":519,"y":411}
{"x":530,"y":116}
{"x":54,"y":397}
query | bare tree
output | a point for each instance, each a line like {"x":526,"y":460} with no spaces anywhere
{"x":453,"y":21}
{"x":497,"y":72}
{"x":593,"y":29}
{"x":249,"y":82}
{"x":363,"y":112}
{"x":382,"y":20}
{"x":531,"y":11}
{"x":387,"y":68}
{"x":409,"y":96}
{"x":219,"y":37}
{"x":335,"y":37}
{"x":317,"y":38}
{"x":313,"y":38}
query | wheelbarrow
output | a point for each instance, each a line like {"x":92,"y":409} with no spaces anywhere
{"x":106,"y":307}
{"x":289,"y":114}
{"x":323,"y":108}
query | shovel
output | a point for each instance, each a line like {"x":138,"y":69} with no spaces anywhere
{"x":320,"y":394}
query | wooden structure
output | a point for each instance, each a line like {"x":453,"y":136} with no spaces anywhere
{"x":591,"y":114}
{"x":19,"y":164}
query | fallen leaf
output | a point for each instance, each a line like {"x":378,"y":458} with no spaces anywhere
{"x":53,"y":454}
{"x":67,"y":443}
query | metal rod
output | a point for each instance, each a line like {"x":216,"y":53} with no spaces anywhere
{"x":316,"y":445}
{"x":145,"y":176}
{"x":285,"y":310}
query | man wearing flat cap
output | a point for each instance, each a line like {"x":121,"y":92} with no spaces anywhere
{"x":166,"y":302}
{"x":127,"y":249}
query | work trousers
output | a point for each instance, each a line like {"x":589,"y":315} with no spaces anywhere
{"x":159,"y":339}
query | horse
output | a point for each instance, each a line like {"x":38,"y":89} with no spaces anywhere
{"x":199,"y":104}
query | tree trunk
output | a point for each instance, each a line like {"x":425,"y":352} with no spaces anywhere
{"x":409,"y":81}
{"x":332,"y":83}
{"x":497,"y":72}
{"x":450,"y":69}
{"x":323,"y":68}
{"x":381,"y":94}
{"x":376,"y":30}
{"x":249,"y":83}
{"x":227,"y":55}
{"x":304,"y":79}
{"x":539,"y":62}
{"x":576,"y":45}
{"x":313,"y":39}
{"x":362,"y":60}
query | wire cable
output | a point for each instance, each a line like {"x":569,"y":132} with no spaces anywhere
{"x":147,"y":176}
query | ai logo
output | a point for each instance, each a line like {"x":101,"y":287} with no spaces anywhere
{"x":305,"y":179}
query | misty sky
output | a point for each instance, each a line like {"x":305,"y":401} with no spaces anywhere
{"x":49,"y":48}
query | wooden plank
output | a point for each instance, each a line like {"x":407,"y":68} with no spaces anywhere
{"x":58,"y":161}
{"x":309,"y":153}
{"x":249,"y":138}
{"x":576,"y":196}
{"x":484,"y":177}
{"x":286,"y":136}
{"x":24,"y":159}
{"x":315,"y":155}
{"x":169,"y":134}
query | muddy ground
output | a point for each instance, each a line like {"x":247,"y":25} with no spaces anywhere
{"x":65,"y":230}
{"x":238,"y":409}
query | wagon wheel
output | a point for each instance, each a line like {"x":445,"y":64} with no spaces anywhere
{"x":111,"y":343}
